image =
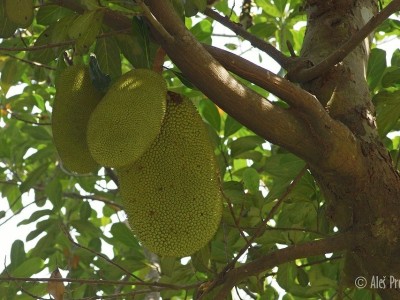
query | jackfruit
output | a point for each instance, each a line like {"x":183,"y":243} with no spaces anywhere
{"x":20,"y":12}
{"x":74,"y":101}
{"x":171,"y":193}
{"x":128,"y":118}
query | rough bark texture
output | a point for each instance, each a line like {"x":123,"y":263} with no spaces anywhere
{"x":367,"y":200}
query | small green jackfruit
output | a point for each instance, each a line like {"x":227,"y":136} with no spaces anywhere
{"x":171,"y":193}
{"x":75,"y":100}
{"x":128,"y":118}
{"x":20,"y":12}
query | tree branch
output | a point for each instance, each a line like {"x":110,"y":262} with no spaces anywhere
{"x":158,"y":285}
{"x":317,"y":140}
{"x":255,"y":41}
{"x":335,"y":243}
{"x":306,"y":129}
{"x":278,"y":125}
{"x":337,"y":56}
{"x":66,"y":233}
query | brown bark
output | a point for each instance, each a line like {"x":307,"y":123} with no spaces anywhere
{"x":370,"y":200}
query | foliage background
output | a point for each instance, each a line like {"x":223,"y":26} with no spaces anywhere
{"x":66,"y":231}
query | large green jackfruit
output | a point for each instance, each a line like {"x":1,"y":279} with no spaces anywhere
{"x":171,"y":193}
{"x":75,"y":100}
{"x":128,"y":118}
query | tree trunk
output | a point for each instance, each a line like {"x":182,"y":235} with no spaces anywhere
{"x":366,"y":200}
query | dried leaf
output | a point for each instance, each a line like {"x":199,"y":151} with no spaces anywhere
{"x":56,"y":288}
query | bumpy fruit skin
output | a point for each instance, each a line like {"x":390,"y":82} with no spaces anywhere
{"x":128,"y":119}
{"x":171,"y":193}
{"x":75,"y":100}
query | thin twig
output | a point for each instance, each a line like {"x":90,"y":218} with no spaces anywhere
{"x":262,"y":227}
{"x":260,"y":230}
{"x":33,"y":63}
{"x":15,"y":116}
{"x":321,"y":261}
{"x":16,"y":213}
{"x":94,"y":198}
{"x":236,"y":221}
{"x":255,"y":41}
{"x":95,"y":282}
{"x":338,"y":242}
{"x":55,"y":45}
{"x":66,"y":233}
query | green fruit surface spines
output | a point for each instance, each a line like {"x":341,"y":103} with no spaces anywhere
{"x":171,"y":194}
{"x":128,"y":119}
{"x":75,"y":100}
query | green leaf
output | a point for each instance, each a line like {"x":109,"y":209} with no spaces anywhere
{"x":108,"y":56}
{"x":55,"y":33}
{"x":86,"y":228}
{"x":282,"y":168}
{"x":302,"y":277}
{"x":201,"y":260}
{"x":33,"y":177}
{"x":286,"y":275}
{"x":179,"y":8}
{"x":231,"y":126}
{"x":11,"y":74}
{"x":54,"y":192}
{"x":85,"y":211}
{"x":36,"y":132}
{"x":245,"y":143}
{"x":202,"y":31}
{"x":49,"y":14}
{"x":210,"y":113}
{"x":17,"y":253}
{"x":85,"y":29}
{"x":387,"y":110}
{"x":183,"y":79}
{"x":395,"y":61}
{"x":168,"y":265}
{"x":200,"y":4}
{"x":269,"y":8}
{"x":264,"y":30}
{"x":35,"y":216}
{"x":376,"y":67}
{"x":21,"y":12}
{"x":7,"y":28}
{"x":251,"y":180}
{"x":190,"y":9}
{"x":122,"y":233}
{"x":391,"y":77}
{"x":141,"y":32}
{"x":29,"y":267}
{"x":280,"y":5}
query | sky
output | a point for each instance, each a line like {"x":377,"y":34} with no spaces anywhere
{"x":9,"y":231}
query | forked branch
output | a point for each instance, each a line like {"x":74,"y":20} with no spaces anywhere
{"x":340,"y":242}
{"x":255,"y":41}
{"x":305,"y":75}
